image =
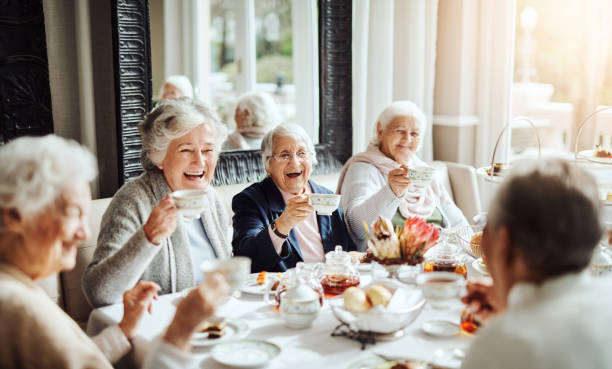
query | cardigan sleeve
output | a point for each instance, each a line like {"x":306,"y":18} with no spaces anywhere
{"x":365,"y":195}
{"x":123,"y":252}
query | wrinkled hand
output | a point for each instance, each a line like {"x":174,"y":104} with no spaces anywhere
{"x":135,"y":302}
{"x":195,"y":308}
{"x":297,"y":209}
{"x":399,"y":181}
{"x":162,"y":221}
{"x":481,"y":299}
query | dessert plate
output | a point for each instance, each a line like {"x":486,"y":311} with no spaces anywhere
{"x":234,"y":329}
{"x":245,"y":353}
{"x":588,"y":155}
{"x":441,"y":328}
{"x":251,"y":286}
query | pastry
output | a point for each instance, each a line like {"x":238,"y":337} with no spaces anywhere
{"x":600,"y":152}
{"x":378,"y":295}
{"x":356,"y":300}
{"x":475,"y":243}
{"x":261,"y":278}
{"x":216,"y":330}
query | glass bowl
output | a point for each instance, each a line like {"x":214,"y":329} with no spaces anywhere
{"x":468,"y":242}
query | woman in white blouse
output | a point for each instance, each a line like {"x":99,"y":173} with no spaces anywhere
{"x":375,"y":182}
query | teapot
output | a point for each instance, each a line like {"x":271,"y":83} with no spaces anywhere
{"x":300,"y":303}
{"x":310,"y":275}
{"x":339,"y":272}
{"x":445,"y":257}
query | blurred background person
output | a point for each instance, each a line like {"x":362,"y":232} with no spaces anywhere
{"x":174,"y":87}
{"x":44,"y":203}
{"x":256,"y":113}
{"x":542,"y":227}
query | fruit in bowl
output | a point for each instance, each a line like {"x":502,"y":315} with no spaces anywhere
{"x":385,"y":306}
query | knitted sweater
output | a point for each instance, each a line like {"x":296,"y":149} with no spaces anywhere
{"x":124,"y":255}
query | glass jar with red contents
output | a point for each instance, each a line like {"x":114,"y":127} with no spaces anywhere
{"x":339,"y":272}
{"x":445,"y":257}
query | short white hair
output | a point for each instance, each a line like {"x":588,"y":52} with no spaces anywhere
{"x":286,"y":130}
{"x":262,"y":109}
{"x":35,"y":171}
{"x":402,"y":108}
{"x":179,"y":81}
{"x":172,"y":119}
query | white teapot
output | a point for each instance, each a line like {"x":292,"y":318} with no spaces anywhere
{"x":300,"y":304}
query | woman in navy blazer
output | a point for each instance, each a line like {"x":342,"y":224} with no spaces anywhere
{"x":274,"y":223}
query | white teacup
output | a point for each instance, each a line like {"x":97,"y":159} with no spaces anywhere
{"x":421,"y":177}
{"x":236,"y":270}
{"x":440,"y":288}
{"x":324,"y":203}
{"x":190,"y":203}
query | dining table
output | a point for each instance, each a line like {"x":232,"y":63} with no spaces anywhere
{"x":254,"y":319}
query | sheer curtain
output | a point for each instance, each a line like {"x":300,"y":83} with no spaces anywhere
{"x":394,"y":48}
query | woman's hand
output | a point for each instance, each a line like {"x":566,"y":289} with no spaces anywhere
{"x":399,"y":181}
{"x":162,"y":221}
{"x":481,"y":299}
{"x":194,"y":309}
{"x":298,"y":208}
{"x":135,"y":302}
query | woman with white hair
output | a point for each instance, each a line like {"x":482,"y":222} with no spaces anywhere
{"x":274,"y":223}
{"x":44,"y":202}
{"x":542,"y":227}
{"x":256,"y":113}
{"x":376,"y":182}
{"x":140,"y":237}
{"x":176,"y":86}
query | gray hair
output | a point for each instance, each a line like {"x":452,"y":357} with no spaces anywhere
{"x":551,"y":209}
{"x":403,"y":108}
{"x":172,"y":119}
{"x":35,"y":171}
{"x":285,"y":130}
{"x":179,"y":81}
{"x":262,"y":109}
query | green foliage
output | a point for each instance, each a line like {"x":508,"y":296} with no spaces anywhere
{"x":267,"y":69}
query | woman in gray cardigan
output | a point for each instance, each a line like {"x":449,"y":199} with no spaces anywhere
{"x":141,"y":234}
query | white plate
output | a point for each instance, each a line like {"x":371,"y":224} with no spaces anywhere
{"x":234,"y":329}
{"x":251,"y":286}
{"x":245,"y":354}
{"x":588,"y":155}
{"x":480,"y":266}
{"x":441,"y":328}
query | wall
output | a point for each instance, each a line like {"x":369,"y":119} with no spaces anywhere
{"x":75,"y":88}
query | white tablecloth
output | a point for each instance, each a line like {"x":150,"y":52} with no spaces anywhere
{"x":311,"y":348}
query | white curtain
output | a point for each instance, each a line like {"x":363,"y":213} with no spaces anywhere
{"x":394,"y":48}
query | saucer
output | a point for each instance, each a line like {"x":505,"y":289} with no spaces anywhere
{"x":245,"y":354}
{"x":440,"y":328}
{"x":234,"y":329}
{"x":480,"y":266}
{"x":251,"y":286}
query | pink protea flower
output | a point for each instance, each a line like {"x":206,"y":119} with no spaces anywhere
{"x":416,"y":238}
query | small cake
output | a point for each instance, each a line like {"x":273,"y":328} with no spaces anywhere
{"x":475,"y":243}
{"x":261,"y":278}
{"x":600,"y":152}
{"x":216,"y":329}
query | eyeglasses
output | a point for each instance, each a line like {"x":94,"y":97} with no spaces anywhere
{"x":287,"y":156}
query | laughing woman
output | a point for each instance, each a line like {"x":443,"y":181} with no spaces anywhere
{"x":274,"y":224}
{"x":140,"y":235}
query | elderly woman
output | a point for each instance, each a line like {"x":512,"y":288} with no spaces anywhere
{"x":274,"y":223}
{"x":141,"y":236}
{"x":543,"y":225}
{"x":256,"y":113}
{"x":174,"y":87}
{"x":376,"y":182}
{"x":44,"y":201}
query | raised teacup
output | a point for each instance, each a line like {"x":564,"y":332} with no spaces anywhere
{"x":236,"y":270}
{"x":324,"y":203}
{"x":190,"y":203}
{"x":421,"y":177}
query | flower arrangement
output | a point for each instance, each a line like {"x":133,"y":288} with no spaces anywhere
{"x":402,"y":246}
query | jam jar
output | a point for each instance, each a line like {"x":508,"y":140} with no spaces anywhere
{"x":445,"y":258}
{"x":339,"y":272}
